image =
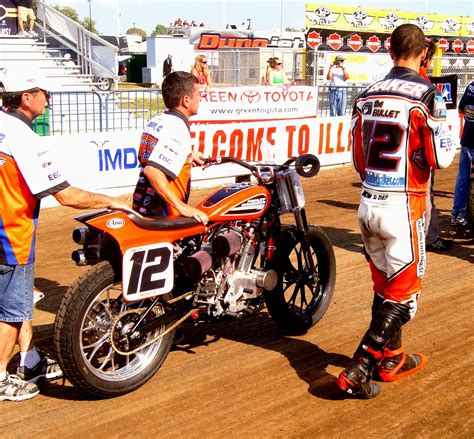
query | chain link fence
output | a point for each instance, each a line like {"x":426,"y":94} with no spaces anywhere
{"x":74,"y":112}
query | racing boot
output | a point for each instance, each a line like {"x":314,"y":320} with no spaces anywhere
{"x":396,"y":363}
{"x":387,"y":320}
{"x":356,"y":379}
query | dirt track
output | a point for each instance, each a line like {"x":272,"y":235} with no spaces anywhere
{"x":249,"y":381}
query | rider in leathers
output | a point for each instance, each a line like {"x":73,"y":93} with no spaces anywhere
{"x":399,"y":132}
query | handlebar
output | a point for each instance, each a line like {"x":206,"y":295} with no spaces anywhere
{"x":306,"y":165}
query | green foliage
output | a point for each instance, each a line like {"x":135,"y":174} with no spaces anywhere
{"x":136,"y":31}
{"x":89,"y":25}
{"x":73,"y":15}
{"x":159,"y":30}
{"x":68,"y":12}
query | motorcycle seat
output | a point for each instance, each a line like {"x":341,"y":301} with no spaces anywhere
{"x":171,"y":222}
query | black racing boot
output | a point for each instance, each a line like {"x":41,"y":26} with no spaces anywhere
{"x":387,"y":320}
{"x":355,"y":379}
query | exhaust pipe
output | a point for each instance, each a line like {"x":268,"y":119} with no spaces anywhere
{"x":85,"y":257}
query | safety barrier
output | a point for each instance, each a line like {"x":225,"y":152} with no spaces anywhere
{"x":90,"y":111}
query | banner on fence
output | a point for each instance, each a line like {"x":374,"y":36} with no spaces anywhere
{"x":233,"y":122}
{"x":236,"y":121}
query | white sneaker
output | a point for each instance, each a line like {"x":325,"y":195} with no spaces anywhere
{"x":23,"y":34}
{"x":12,"y":388}
{"x":32,"y":33}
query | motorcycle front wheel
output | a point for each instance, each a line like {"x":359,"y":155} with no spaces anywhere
{"x":82,"y":337}
{"x":301,"y":296}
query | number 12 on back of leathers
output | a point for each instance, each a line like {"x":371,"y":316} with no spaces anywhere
{"x":147,"y":271}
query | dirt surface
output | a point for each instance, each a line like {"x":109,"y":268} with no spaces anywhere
{"x":247,"y":380}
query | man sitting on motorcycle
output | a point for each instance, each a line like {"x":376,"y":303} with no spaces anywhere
{"x":165,"y":153}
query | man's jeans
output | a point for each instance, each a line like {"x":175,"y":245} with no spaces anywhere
{"x":337,"y":101}
{"x":461,"y":189}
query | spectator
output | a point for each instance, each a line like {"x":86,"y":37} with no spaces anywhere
{"x":26,"y":14}
{"x":202,"y":24}
{"x":266,"y":75}
{"x":201,"y":72}
{"x":276,"y":74}
{"x":27,"y":174}
{"x":461,"y":190}
{"x":338,"y":76}
{"x":168,"y":65}
{"x":433,"y":241}
{"x":397,"y":136}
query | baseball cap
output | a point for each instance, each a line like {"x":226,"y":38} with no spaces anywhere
{"x":340,"y":58}
{"x":13,"y":81}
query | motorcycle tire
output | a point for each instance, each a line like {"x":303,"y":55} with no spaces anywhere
{"x":82,"y":337}
{"x":297,"y":302}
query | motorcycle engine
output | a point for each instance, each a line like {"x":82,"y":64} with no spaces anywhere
{"x":227,"y":281}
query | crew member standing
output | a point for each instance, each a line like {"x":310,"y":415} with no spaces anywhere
{"x":399,"y":133}
{"x":461,"y":190}
{"x":28,"y":173}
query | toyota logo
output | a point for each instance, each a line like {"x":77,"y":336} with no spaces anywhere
{"x":251,"y":96}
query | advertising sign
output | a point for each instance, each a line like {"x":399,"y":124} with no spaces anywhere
{"x":373,"y":26}
{"x":8,"y":18}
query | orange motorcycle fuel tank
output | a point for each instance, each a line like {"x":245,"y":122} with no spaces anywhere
{"x":239,"y":201}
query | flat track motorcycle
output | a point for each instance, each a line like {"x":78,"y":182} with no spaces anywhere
{"x":116,"y":324}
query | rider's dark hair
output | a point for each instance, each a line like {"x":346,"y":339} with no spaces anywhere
{"x":407,"y":41}
{"x":176,"y":86}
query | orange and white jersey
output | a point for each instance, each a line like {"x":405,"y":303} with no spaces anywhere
{"x":166,"y":145}
{"x":399,"y":132}
{"x":27,"y":174}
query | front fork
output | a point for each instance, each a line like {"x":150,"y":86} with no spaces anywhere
{"x":302,"y":226}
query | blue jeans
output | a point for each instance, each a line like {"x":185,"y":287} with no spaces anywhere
{"x":461,"y":190}
{"x":16,"y":293}
{"x":337,"y":101}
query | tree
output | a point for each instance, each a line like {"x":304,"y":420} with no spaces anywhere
{"x":73,"y":15}
{"x":89,"y":25}
{"x":136,"y":31}
{"x":68,"y":12}
{"x":159,"y":30}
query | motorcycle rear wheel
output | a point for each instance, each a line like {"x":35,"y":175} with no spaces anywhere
{"x":300,"y":298}
{"x":82,"y":340}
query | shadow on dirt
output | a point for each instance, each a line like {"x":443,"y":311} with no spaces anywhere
{"x":308,"y":360}
{"x":53,"y":294}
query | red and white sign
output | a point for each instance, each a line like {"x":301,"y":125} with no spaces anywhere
{"x":457,"y":45}
{"x":443,"y":44}
{"x":387,"y":43}
{"x":355,"y":42}
{"x":313,"y":39}
{"x":470,"y":46}
{"x":335,"y":41}
{"x":373,"y":43}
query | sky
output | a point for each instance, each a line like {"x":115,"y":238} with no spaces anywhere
{"x":113,"y":15}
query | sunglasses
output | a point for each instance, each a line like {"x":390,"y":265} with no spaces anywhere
{"x":47,"y":94}
{"x":204,"y":62}
{"x":279,"y":63}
